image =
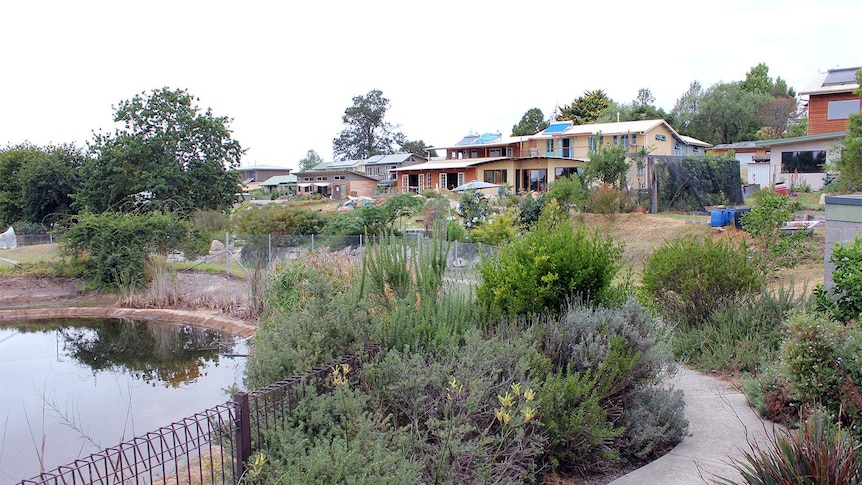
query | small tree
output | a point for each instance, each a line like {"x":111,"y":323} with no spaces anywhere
{"x":770,"y":212}
{"x":311,"y":160}
{"x":531,"y":123}
{"x":608,"y":165}
{"x":569,"y":192}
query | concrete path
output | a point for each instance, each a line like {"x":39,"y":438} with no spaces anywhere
{"x":720,"y":425}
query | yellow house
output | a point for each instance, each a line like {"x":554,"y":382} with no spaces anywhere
{"x":533,"y":162}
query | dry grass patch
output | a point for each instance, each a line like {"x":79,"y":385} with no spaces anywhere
{"x":642,"y":233}
{"x":37,"y":253}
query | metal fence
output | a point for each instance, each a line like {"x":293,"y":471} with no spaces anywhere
{"x":211,"y":447}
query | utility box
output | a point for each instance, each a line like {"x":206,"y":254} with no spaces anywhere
{"x":843,"y":224}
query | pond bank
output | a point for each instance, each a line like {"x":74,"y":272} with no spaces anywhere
{"x":196,"y":318}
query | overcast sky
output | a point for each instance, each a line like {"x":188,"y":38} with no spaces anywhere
{"x":286,"y":73}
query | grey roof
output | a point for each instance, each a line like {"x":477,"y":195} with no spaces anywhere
{"x":838,"y":135}
{"x":279,"y":180}
{"x":736,"y":146}
{"x":389,"y":159}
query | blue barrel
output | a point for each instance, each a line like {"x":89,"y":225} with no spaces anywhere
{"x":729,"y":217}
{"x":719,"y":218}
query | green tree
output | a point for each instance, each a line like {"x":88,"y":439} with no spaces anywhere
{"x":531,"y":123}
{"x":417,"y":147}
{"x":311,"y":160}
{"x":11,"y":161}
{"x":585,"y":109}
{"x":168,"y":152}
{"x":687,"y":108}
{"x":727,"y":113}
{"x":849,"y":165}
{"x":643,"y":108}
{"x":757,"y":80}
{"x":49,"y":184}
{"x":366,"y":132}
{"x":608,"y":164}
{"x":37,"y":183}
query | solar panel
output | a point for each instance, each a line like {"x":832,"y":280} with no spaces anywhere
{"x":487,"y":138}
{"x":557,"y":128}
{"x":467,"y":140}
{"x":840,"y":76}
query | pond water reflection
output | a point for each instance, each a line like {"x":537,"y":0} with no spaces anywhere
{"x":71,"y":387}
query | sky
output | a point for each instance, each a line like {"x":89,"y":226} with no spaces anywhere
{"x":284,"y":72}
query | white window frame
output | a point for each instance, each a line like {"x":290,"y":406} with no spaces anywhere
{"x":460,"y":178}
{"x":442,"y":180}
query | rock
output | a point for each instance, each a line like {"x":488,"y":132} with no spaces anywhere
{"x":216,"y":246}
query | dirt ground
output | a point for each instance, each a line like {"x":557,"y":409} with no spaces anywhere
{"x":48,"y":292}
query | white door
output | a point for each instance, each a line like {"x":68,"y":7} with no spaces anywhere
{"x":759,"y":173}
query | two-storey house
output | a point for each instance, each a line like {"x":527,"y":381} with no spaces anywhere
{"x":532,"y":162}
{"x":802,"y":160}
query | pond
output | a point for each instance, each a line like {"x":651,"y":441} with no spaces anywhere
{"x":69,"y":388}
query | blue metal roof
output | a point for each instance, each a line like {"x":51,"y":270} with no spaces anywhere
{"x":556,"y":128}
{"x":487,"y":138}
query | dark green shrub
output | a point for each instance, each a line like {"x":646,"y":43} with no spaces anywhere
{"x":819,"y":453}
{"x":551,"y":264}
{"x":687,"y":278}
{"x":115,"y":246}
{"x":530,"y":208}
{"x":844,"y":301}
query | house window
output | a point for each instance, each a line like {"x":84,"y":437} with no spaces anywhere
{"x":615,"y":140}
{"x":841,"y":110}
{"x":634,"y":138}
{"x":496,"y":152}
{"x":591,"y":143}
{"x":340,"y":177}
{"x":536,"y":179}
{"x":660,"y":137}
{"x":421,"y":184}
{"x":442,"y":180}
{"x":495,"y":176}
{"x":460,"y":178}
{"x":803,"y":162}
{"x":474,"y":154}
{"x":405,"y":183}
{"x":509,"y":152}
{"x":561,"y":172}
{"x":549,"y":146}
{"x":428,"y":180}
{"x":321,"y":179}
{"x":624,"y":141}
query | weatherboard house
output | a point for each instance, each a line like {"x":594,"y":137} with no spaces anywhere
{"x":532,"y":162}
{"x":801,"y":160}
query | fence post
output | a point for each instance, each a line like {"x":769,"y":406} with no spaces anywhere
{"x":269,"y":251}
{"x":360,"y":243}
{"x":242,"y":423}
{"x":227,"y":253}
{"x":312,"y":242}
